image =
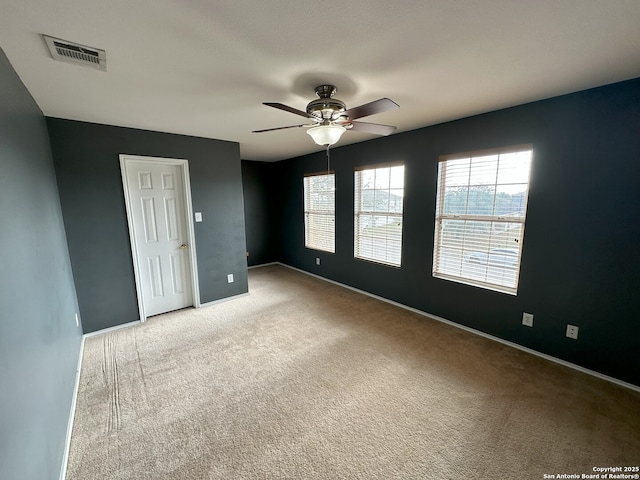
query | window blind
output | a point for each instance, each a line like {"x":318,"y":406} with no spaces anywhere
{"x":319,"y":212}
{"x":480,"y":217}
{"x":379,"y":199}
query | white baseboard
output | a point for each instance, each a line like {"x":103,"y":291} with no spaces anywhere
{"x":72,"y":413}
{"x":263,"y":265}
{"x":222,"y":300}
{"x":601,"y":376}
{"x":111,"y":329}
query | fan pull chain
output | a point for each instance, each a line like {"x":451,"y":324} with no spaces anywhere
{"x":328,"y":161}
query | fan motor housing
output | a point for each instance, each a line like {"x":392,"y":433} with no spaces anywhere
{"x":326,"y":108}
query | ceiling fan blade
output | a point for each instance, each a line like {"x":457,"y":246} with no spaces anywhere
{"x":374,"y":128}
{"x":367,"y":109}
{"x":279,"y":128}
{"x":287,"y":108}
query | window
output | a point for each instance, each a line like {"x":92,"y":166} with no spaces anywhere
{"x":379,"y":194}
{"x":319,"y":212}
{"x":480,"y":215}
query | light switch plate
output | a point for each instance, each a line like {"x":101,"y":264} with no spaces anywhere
{"x":198,"y":216}
{"x":527,"y":319}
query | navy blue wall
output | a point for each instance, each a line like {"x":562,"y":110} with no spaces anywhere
{"x":39,"y":340}
{"x":261,"y":211}
{"x":581,"y":255}
{"x":87,"y":164}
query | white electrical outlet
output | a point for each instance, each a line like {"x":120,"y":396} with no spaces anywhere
{"x":230,"y":278}
{"x":527,"y":319}
{"x":572,"y":331}
{"x":317,"y":260}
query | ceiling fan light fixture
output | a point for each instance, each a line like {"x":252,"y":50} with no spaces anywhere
{"x":326,"y":134}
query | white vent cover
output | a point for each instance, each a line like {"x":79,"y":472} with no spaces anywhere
{"x":70,"y":52}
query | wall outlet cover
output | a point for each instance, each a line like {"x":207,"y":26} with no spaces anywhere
{"x":572,"y":331}
{"x":230,"y":278}
{"x":317,"y":260}
{"x":527,"y":319}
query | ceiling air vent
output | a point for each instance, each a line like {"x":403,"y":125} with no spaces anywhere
{"x":70,"y":52}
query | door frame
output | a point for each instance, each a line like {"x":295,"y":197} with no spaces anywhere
{"x":183,"y":166}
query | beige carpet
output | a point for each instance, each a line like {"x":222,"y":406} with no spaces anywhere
{"x":303,"y":379}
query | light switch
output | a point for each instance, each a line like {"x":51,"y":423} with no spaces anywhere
{"x":198,"y":216}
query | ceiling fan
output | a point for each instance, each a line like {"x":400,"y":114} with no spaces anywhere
{"x":331,"y":118}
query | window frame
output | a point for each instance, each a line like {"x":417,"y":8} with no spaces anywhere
{"x":358,"y":213}
{"x":491,"y":220}
{"x":309,"y":213}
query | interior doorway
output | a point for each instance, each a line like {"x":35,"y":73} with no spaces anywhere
{"x":158,"y":203}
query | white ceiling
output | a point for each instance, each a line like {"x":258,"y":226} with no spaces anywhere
{"x":204,"y":67}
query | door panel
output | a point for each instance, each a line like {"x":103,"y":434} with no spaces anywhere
{"x":144,"y":180}
{"x":155,"y":277}
{"x":177,"y":273}
{"x":171,"y":217}
{"x":149,"y":220}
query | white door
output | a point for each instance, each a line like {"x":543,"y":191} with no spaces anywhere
{"x":157,"y":217}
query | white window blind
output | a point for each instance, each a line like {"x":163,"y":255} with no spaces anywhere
{"x":319,"y":212}
{"x":379,"y":195}
{"x":480,"y":216}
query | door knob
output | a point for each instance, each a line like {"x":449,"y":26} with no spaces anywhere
{"x":183,"y":246}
